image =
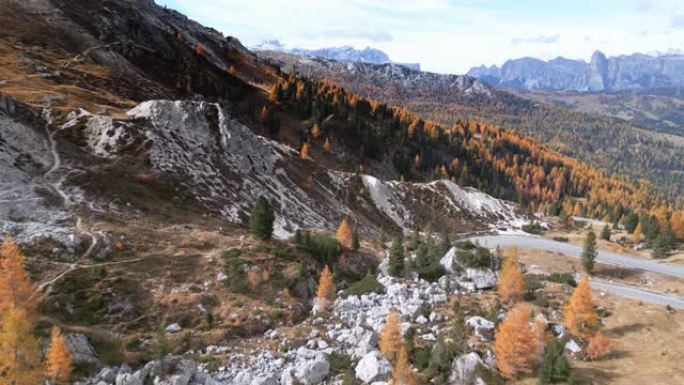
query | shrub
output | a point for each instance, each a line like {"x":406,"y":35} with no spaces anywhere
{"x":561,"y":239}
{"x":466,"y":245}
{"x":554,"y":366}
{"x":420,"y":357}
{"x":532,"y":284}
{"x":599,"y":347}
{"x":561,"y":278}
{"x":367,"y":284}
{"x":340,"y":363}
{"x":322,"y":247}
{"x":532,"y":228}
{"x":237,"y":276}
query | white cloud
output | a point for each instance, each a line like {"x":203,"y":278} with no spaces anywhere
{"x":449,"y":36}
{"x":541,"y":39}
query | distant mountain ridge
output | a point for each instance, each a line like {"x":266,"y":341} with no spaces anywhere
{"x":636,"y":71}
{"x":344,"y":53}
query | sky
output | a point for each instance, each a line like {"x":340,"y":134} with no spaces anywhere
{"x":451,"y":36}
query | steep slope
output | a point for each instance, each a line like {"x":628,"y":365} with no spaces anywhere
{"x":609,"y":143}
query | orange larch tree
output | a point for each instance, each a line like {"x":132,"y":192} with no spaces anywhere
{"x":511,"y":283}
{"x":344,"y":233}
{"x":402,"y":374}
{"x":58,"y":365}
{"x":325,"y":294}
{"x":327,"y":146}
{"x":599,"y":347}
{"x":19,"y":349}
{"x":515,"y":345}
{"x":16,"y":288}
{"x":391,"y":340}
{"x":304,"y":152}
{"x":579,"y":314}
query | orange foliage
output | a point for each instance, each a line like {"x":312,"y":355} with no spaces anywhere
{"x":599,"y":347}
{"x":58,"y":364}
{"x":580,"y":316}
{"x":344,"y":233}
{"x":198,"y":49}
{"x":636,"y":235}
{"x":327,"y":146}
{"x":304,"y":152}
{"x":325,"y":294}
{"x":402,"y":373}
{"x":19,"y":349}
{"x":391,"y":340}
{"x":515,"y":345}
{"x":16,"y":289}
{"x":511,"y":283}
{"x":232,"y":71}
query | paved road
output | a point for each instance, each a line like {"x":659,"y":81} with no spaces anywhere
{"x":642,"y":295}
{"x":534,"y":242}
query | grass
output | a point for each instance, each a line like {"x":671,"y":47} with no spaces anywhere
{"x":368,"y":284}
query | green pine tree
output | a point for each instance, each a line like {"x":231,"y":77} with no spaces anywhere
{"x":396,"y":259}
{"x":589,"y":252}
{"x":261,"y":219}
{"x":605,"y":233}
{"x":554,"y":367}
{"x":355,"y":239}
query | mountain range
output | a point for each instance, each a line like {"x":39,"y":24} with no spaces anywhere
{"x":601,"y":73}
{"x":342,"y":54}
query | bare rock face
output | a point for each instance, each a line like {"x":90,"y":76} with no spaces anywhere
{"x":600,"y":74}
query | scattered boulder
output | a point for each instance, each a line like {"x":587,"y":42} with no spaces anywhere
{"x":82,"y":352}
{"x":572,"y":347}
{"x":373,"y":367}
{"x":464,"y":369}
{"x":482,"y":327}
{"x":173,"y":328}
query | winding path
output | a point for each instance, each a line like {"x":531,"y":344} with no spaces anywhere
{"x":57,"y":186}
{"x":539,"y":243}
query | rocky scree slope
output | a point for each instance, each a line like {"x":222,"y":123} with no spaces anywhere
{"x":351,"y":329}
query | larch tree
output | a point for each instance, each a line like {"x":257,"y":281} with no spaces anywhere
{"x":261,"y":219}
{"x":636,"y":235}
{"x":599,"y":347}
{"x":344,"y":233}
{"x":402,"y":374}
{"x":16,"y":288}
{"x":58,"y":365}
{"x":511,"y":283}
{"x":304,"y":152}
{"x":589,"y":252}
{"x":325,"y":294}
{"x":327,"y":146}
{"x":391,"y":340}
{"x":19,"y":349}
{"x":515,"y":345}
{"x":579,"y":314}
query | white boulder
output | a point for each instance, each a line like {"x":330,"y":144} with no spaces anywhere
{"x":373,"y":367}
